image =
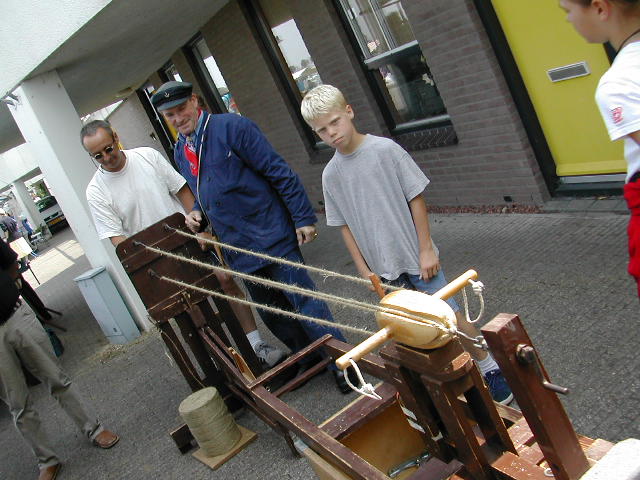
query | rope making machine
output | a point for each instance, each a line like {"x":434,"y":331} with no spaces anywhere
{"x":430,"y":417}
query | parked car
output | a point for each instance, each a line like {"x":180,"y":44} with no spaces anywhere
{"x":52,"y":213}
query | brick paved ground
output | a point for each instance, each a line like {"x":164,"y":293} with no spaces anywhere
{"x":564,"y":274}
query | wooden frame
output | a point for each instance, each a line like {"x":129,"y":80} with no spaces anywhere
{"x":466,"y":433}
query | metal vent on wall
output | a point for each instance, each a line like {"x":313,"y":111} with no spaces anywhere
{"x":567,"y":72}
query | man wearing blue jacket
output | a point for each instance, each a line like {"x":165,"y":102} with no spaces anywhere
{"x":253,"y":200}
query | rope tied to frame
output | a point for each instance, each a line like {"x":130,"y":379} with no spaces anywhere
{"x":401,"y":314}
{"x":321,"y":271}
{"x":356,"y":304}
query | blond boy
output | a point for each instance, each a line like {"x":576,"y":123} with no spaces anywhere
{"x":373,"y":192}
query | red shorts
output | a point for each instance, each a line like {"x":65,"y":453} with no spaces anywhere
{"x":632,"y":196}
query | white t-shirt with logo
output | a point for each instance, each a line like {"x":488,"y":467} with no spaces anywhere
{"x":141,"y":194}
{"x":618,"y":96}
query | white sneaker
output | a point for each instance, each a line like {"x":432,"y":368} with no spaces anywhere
{"x":268,"y":355}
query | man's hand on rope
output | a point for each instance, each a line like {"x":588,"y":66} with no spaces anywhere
{"x":193,"y":220}
{"x":429,"y":264}
{"x":306,"y":234}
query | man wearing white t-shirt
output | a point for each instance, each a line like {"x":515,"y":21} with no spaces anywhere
{"x":133,"y":189}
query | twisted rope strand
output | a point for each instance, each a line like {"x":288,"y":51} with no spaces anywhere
{"x":282,"y":261}
{"x":300,"y":316}
{"x":355,"y":304}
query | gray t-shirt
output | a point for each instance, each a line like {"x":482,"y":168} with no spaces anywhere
{"x":369,"y":191}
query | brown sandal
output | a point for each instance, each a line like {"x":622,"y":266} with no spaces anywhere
{"x":106,"y":439}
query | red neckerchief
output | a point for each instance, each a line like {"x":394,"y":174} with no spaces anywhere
{"x":190,"y":151}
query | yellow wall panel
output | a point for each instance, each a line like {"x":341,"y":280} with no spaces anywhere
{"x":541,"y":39}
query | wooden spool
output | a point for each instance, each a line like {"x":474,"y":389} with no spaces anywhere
{"x":210,"y":422}
{"x":415,"y":332}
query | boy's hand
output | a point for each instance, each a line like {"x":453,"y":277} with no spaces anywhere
{"x":306,"y":234}
{"x":429,"y":264}
{"x":192,"y":220}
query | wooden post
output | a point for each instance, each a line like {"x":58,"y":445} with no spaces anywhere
{"x":541,"y":407}
{"x":180,"y":356}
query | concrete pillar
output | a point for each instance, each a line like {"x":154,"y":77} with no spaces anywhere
{"x":50,"y":125}
{"x":26,"y":204}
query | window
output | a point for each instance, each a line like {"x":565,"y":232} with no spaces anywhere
{"x":395,"y":64}
{"x":171,"y":72}
{"x":294,"y":66}
{"x":216,"y":81}
{"x":287,"y":36}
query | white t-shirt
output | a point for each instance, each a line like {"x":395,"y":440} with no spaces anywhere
{"x":142,"y":193}
{"x":618,"y":96}
{"x":369,"y":191}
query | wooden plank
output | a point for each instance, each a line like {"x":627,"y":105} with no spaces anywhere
{"x":321,"y":442}
{"x":517,"y":468}
{"x":486,"y":415}
{"x":180,"y":356}
{"x":415,"y":397}
{"x":436,"y":469}
{"x":173,"y":299}
{"x":458,"y":431}
{"x":361,"y":410}
{"x":213,"y":376}
{"x":302,"y":378}
{"x":541,"y":407}
{"x":371,"y":364}
{"x":598,"y":449}
{"x":278,"y":369}
{"x":214,"y":463}
{"x":182,"y":437}
{"x":239,"y":336}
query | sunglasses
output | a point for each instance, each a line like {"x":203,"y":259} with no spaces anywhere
{"x":99,"y":156}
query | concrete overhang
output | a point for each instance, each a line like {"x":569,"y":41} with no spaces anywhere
{"x":115,"y":51}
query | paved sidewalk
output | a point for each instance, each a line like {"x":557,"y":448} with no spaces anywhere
{"x":563,"y":273}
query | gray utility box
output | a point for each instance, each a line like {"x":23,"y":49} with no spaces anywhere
{"x":107,"y":305}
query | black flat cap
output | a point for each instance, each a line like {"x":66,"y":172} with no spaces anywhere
{"x":171,"y":94}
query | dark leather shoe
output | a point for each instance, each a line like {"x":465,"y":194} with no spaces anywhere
{"x":106,"y":439}
{"x":50,"y":473}
{"x":342,"y":384}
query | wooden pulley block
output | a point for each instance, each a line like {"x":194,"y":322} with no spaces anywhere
{"x":417,"y":328}
{"x":412,"y":322}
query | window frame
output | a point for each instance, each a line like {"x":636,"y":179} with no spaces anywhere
{"x":278,"y":63}
{"x":370,"y":67}
{"x":203,"y":77}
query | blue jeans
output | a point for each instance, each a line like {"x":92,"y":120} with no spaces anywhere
{"x":295,"y":334}
{"x":431,"y":286}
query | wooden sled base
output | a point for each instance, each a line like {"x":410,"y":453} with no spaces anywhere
{"x":214,"y":463}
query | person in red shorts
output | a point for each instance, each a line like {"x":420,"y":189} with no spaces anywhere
{"x":618,"y":93}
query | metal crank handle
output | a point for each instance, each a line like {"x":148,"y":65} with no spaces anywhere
{"x":527,"y":355}
{"x":414,"y":462}
{"x":369,"y":345}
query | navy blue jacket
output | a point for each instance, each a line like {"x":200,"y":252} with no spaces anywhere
{"x":248,"y":192}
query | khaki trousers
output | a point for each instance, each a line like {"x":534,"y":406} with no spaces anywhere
{"x":22,"y":338}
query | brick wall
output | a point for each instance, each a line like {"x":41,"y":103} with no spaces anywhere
{"x":252,"y":81}
{"x":492,"y":159}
